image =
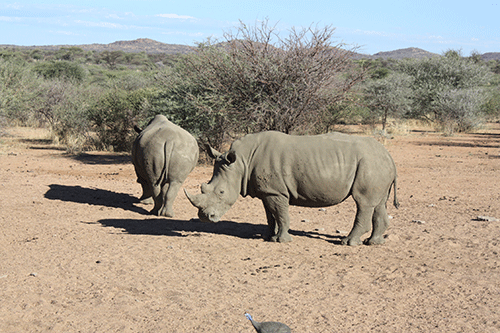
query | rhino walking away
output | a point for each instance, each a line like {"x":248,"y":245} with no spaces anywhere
{"x":163,"y":155}
{"x":308,"y":171}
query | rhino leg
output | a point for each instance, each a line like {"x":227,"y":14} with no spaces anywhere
{"x":158,"y":197}
{"x":278,"y":218}
{"x":380,"y":223}
{"x":169,"y":193}
{"x":146,"y":200}
{"x":361,"y":225}
{"x":272,"y":226}
{"x":147,"y":193}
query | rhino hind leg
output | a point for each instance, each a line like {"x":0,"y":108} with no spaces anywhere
{"x":158,"y":197}
{"x":380,"y":222}
{"x":272,"y":226}
{"x":169,"y":193}
{"x":278,"y":219}
{"x":147,"y":193}
{"x":361,"y":225}
{"x":146,"y":200}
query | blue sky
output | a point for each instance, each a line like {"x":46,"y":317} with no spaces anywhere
{"x":373,"y":26}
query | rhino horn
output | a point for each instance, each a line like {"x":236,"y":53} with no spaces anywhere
{"x":194,"y":199}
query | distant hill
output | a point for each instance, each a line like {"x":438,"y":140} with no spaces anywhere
{"x":411,"y":52}
{"x":491,"y":56}
{"x":152,"y":47}
{"x":132,"y":46}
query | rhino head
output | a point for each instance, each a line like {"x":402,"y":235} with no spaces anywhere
{"x":222,"y":191}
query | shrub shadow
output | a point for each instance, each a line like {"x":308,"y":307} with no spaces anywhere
{"x":94,"y":196}
{"x":491,"y":144}
{"x":107,"y":159}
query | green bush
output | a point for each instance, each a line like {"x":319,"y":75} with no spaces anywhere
{"x":433,"y":77}
{"x":60,"y":69}
{"x":388,"y":97}
{"x":461,"y":110}
{"x":113,"y":117}
{"x":18,"y":91}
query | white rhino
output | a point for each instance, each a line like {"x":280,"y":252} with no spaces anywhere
{"x":163,"y":155}
{"x":308,"y":171}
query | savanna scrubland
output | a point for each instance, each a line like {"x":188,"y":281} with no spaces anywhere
{"x":79,"y":253}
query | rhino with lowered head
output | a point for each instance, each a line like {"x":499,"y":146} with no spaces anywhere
{"x":307,"y":171}
{"x":163,"y":155}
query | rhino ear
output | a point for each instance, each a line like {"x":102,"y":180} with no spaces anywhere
{"x":212,"y":152}
{"x":231,"y":157}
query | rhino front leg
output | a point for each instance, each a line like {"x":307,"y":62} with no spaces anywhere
{"x":362,"y":225}
{"x":278,"y":218}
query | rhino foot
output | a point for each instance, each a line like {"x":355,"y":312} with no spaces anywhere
{"x":374,"y":241}
{"x":350,"y":241}
{"x":162,"y":212}
{"x":166,"y":213}
{"x":281,"y":239}
{"x":146,"y":201}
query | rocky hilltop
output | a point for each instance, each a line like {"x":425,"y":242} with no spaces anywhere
{"x":411,"y":52}
{"x":491,"y":56}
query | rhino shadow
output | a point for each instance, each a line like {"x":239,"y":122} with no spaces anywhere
{"x":334,"y":239}
{"x":94,"y":196}
{"x":176,"y":228}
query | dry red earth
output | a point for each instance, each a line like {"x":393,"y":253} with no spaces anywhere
{"x":79,"y":254}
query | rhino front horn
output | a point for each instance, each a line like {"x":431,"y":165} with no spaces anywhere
{"x":195,"y":201}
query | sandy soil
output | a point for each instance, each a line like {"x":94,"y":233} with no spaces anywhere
{"x":79,"y":254}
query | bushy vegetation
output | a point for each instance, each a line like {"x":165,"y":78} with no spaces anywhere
{"x":453,"y":92}
{"x":253,"y":80}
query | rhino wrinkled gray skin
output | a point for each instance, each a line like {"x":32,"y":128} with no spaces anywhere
{"x":308,"y":171}
{"x":163,"y":155}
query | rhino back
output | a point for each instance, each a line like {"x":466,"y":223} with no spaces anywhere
{"x":162,"y":145}
{"x":311,"y":170}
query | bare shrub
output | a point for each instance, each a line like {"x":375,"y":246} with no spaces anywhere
{"x":257,"y":80}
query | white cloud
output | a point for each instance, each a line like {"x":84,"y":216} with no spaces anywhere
{"x":13,"y":6}
{"x":66,"y":33}
{"x":101,"y":24}
{"x":175,"y":16}
{"x":182,"y":33}
{"x":9,"y":19}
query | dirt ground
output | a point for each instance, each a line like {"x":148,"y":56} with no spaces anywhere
{"x":79,"y":254}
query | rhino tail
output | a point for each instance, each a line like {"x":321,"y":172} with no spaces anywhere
{"x":395,"y":184}
{"x":168,"y":147}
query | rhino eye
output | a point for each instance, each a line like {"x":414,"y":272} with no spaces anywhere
{"x":221,"y":191}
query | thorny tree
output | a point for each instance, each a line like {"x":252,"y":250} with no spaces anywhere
{"x":259,"y":81}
